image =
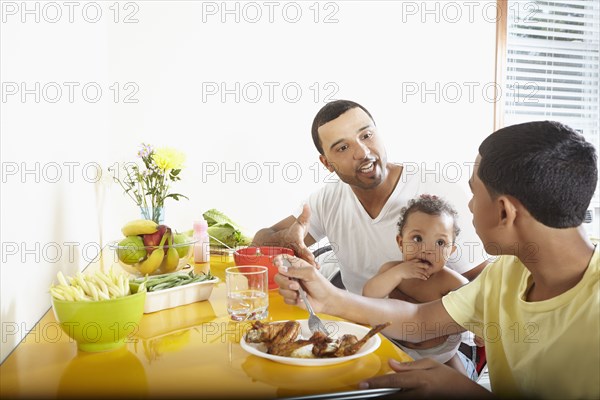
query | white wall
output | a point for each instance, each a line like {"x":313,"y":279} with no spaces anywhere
{"x":381,"y":54}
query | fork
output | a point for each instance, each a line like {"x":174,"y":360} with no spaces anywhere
{"x":314,"y":323}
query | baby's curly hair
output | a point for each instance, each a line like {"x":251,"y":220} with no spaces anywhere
{"x":431,"y":205}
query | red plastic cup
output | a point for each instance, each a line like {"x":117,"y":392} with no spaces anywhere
{"x":264,"y":256}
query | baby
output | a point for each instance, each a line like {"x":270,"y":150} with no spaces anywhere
{"x":427,"y":231}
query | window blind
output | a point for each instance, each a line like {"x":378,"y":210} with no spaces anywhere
{"x":553,"y":63}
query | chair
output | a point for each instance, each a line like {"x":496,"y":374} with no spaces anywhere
{"x":331,"y":271}
{"x":476,"y":354}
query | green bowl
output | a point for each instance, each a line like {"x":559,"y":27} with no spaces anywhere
{"x":100,"y":325}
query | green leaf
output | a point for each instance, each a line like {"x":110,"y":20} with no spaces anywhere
{"x":227,"y":234}
{"x":214,"y":216}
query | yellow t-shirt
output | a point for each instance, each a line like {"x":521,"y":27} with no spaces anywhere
{"x":545,"y":349}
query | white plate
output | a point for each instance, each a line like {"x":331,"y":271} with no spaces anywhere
{"x":338,"y":328}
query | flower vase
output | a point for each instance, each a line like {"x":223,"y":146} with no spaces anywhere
{"x":156,"y":214}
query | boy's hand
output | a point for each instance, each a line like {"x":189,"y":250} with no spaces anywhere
{"x":413,"y":269}
{"x":426,"y":378}
{"x":316,"y":286}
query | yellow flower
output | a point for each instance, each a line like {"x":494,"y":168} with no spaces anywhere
{"x":167,"y":158}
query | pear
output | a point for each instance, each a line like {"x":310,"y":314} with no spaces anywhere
{"x":172,"y":258}
{"x":178,"y":239}
{"x":131,"y":250}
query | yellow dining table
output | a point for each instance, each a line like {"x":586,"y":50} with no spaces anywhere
{"x":191,"y":350}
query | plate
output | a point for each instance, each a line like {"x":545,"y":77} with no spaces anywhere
{"x":338,"y":328}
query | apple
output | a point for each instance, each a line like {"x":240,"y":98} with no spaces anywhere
{"x":153,"y":239}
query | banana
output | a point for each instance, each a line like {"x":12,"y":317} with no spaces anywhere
{"x":152,"y":263}
{"x":139,"y":227}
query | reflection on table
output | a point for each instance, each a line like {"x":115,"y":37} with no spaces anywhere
{"x":188,"y":350}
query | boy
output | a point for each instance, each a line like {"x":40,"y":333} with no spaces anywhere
{"x":537,"y":306}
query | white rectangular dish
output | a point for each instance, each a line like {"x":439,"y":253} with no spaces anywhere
{"x":178,"y":296}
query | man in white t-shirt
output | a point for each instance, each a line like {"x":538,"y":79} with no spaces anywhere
{"x":359,"y":213}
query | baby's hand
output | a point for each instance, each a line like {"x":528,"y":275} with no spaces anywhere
{"x":413,"y":270}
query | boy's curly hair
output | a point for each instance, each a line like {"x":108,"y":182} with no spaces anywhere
{"x":428,"y":204}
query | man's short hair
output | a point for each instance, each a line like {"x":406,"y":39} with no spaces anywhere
{"x":546,"y":165}
{"x":329,"y":112}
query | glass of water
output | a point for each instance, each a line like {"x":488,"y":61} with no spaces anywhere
{"x":247,"y":292}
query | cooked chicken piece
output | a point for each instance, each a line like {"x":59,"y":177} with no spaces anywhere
{"x":289,"y":333}
{"x":285,"y":349}
{"x":280,"y":338}
{"x":323,"y":345}
{"x":350,"y":345}
{"x":268,"y":332}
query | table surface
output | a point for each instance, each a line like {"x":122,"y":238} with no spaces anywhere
{"x":188,"y":350}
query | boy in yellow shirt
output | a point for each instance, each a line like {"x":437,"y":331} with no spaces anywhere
{"x":537,"y":306}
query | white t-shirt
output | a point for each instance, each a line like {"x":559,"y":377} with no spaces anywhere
{"x":363,"y":244}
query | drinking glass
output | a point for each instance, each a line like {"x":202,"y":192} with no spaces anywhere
{"x":247,"y":292}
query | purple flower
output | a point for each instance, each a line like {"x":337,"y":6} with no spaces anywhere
{"x":145,"y":150}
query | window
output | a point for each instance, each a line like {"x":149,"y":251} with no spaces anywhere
{"x":552,"y":64}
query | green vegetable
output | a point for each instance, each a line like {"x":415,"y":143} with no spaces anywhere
{"x":228,"y":235}
{"x":157,"y":283}
{"x":214,"y":217}
{"x":222,"y":228}
{"x":92,"y":286}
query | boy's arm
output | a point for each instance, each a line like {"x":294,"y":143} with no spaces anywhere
{"x":410,"y":322}
{"x":452,"y":280}
{"x":474,"y":272}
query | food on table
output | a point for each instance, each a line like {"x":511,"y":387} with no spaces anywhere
{"x":215,"y":217}
{"x":152,"y":263}
{"x":100,"y":299}
{"x":152,"y":240}
{"x":91,"y":287}
{"x":179,"y":239}
{"x":171,"y":260}
{"x":223,"y":229}
{"x":156,"y":283}
{"x":139,"y":227}
{"x":281,"y":339}
{"x":131,"y":250}
{"x":145,"y":238}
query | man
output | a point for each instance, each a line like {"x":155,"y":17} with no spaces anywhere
{"x":536,"y":306}
{"x":359,"y":213}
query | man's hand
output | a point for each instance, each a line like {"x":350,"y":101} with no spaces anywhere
{"x":427,"y":379}
{"x":295,"y":234}
{"x":318,"y":289}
